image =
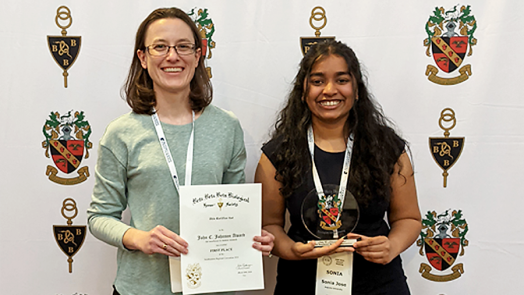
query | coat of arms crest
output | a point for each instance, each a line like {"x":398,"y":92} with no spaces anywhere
{"x":328,"y":211}
{"x":67,"y":138}
{"x":450,"y":39}
{"x":443,"y":238}
{"x":207,"y":29}
{"x":193,"y":275}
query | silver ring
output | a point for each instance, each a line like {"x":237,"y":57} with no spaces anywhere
{"x":270,"y":255}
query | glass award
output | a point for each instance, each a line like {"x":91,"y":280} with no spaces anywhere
{"x":329,"y":218}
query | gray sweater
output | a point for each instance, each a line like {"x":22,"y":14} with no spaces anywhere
{"x":132,"y":172}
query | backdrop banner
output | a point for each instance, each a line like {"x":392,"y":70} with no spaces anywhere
{"x":447,"y":73}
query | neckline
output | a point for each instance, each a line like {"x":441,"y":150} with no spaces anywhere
{"x":184,"y":125}
{"x":329,"y":153}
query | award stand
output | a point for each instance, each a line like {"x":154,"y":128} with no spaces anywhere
{"x":327,"y":218}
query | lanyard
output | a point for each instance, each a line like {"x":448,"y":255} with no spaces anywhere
{"x":167,"y":153}
{"x":343,"y":177}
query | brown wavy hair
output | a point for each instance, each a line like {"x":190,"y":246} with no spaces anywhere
{"x":377,"y":146}
{"x":138,"y":89}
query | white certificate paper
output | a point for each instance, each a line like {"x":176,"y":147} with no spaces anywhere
{"x":219,"y":223}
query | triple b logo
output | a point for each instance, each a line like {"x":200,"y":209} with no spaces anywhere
{"x":69,"y":237}
{"x":317,"y":21}
{"x":446,"y":150}
{"x":64,"y":48}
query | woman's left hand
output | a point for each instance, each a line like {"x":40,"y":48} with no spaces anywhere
{"x":264,"y":243}
{"x":375,"y":249}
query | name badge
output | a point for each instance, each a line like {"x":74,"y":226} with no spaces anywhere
{"x":334,"y":274}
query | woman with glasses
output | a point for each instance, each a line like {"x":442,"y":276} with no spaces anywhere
{"x":170,"y":93}
{"x":332,"y":140}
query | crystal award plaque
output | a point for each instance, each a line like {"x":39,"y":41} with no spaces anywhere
{"x":329,"y":218}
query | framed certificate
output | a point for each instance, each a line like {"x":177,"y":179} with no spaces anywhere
{"x":219,"y":223}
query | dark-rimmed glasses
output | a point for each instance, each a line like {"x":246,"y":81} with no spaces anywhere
{"x":163,"y":49}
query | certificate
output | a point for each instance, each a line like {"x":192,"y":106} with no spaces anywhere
{"x":219,"y":223}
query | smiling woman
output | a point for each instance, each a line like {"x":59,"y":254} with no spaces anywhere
{"x":329,"y":125}
{"x":170,"y":94}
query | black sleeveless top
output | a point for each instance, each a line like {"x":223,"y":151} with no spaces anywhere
{"x":299,"y":277}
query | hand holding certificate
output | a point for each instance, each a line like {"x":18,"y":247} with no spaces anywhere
{"x":219,"y":223}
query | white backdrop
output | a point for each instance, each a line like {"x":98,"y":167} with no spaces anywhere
{"x":255,"y":59}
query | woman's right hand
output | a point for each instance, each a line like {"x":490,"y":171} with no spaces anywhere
{"x":308,"y":251}
{"x":158,"y":240}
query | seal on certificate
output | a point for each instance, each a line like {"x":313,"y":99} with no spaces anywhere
{"x":220,"y":204}
{"x":193,"y":275}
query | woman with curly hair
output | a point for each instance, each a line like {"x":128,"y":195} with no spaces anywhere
{"x":330,"y":101}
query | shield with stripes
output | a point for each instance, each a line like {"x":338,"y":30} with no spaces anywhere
{"x":441,"y":253}
{"x":449,"y":52}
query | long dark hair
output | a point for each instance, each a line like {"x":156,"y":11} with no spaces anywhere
{"x":138,"y":88}
{"x":377,"y":146}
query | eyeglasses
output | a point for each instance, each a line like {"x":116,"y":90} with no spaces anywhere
{"x":162,"y":49}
